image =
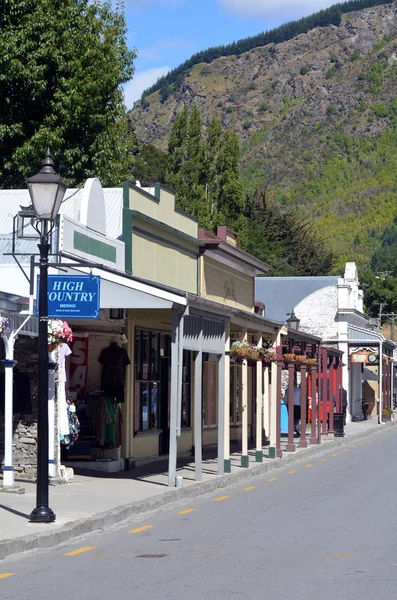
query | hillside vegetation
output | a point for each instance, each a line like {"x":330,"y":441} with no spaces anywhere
{"x":316,"y":121}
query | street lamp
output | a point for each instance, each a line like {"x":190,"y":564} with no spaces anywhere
{"x":293,"y":321}
{"x":46,"y":191}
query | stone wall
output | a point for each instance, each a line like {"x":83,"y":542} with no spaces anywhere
{"x":24,"y":425}
{"x":24,"y":444}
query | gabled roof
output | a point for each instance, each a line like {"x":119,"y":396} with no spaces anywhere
{"x":281,"y":294}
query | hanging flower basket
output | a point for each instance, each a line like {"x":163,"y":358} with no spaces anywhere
{"x":289,"y":357}
{"x":239,"y":350}
{"x":300,"y":358}
{"x":312,"y":362}
{"x":4,"y":325}
{"x":253,"y":354}
{"x":59,"y":333}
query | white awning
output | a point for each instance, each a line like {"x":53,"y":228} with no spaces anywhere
{"x":118,"y":291}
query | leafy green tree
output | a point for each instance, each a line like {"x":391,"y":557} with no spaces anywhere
{"x":230,"y":198}
{"x":62,"y":68}
{"x":186,"y":168}
{"x":150,"y":165}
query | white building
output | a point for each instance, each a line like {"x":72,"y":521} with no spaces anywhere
{"x":332,"y":308}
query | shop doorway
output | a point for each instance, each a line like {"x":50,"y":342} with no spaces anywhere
{"x":164,"y":440}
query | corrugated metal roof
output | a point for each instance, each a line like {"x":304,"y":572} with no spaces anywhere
{"x":281,"y":294}
{"x":11,"y":200}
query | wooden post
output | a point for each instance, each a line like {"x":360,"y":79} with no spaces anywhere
{"x":259,"y":398}
{"x":313,"y":436}
{"x":279,"y":452}
{"x":198,"y":416}
{"x":332,"y":393}
{"x":302,"y":441}
{"x":324,"y":391}
{"x":291,"y":380}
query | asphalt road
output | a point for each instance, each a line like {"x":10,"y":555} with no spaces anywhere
{"x":322,"y":528}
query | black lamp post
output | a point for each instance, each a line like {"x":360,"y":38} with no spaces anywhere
{"x":46,"y":191}
{"x":293,"y":321}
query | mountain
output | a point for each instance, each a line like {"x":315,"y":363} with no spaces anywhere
{"x":316,"y":117}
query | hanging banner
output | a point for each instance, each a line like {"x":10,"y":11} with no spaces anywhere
{"x":78,"y":361}
{"x":72,"y":296}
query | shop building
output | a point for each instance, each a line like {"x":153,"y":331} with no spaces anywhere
{"x":332,"y":308}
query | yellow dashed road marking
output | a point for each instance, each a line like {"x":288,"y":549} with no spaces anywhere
{"x":186,"y":511}
{"x":4,"y":575}
{"x":360,"y":443}
{"x":322,"y":459}
{"x":251,"y":487}
{"x":336,"y":454}
{"x":308,"y":466}
{"x":340,"y":555}
{"x":291,"y":472}
{"x":273,"y":479}
{"x":345,"y":450}
{"x":80,"y":550}
{"x":353,"y":446}
{"x":139,"y":529}
{"x":220,"y":498}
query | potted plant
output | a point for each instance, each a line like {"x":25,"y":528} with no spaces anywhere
{"x":59,"y":333}
{"x":386,"y":414}
{"x":300,"y":358}
{"x":289,"y":357}
{"x":240,"y":350}
{"x":253,"y":354}
{"x":312,"y":361}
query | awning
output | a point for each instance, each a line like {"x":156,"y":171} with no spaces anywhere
{"x":369,"y":375}
{"x":123,"y":291}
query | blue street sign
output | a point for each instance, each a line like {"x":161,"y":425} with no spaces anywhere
{"x":72,"y":296}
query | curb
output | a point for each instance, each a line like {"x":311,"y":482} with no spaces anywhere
{"x":114,"y":516}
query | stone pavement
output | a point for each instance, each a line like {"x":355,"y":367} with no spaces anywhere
{"x":95,"y":500}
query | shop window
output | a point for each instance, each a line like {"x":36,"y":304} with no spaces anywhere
{"x":147,"y":380}
{"x":235,"y":393}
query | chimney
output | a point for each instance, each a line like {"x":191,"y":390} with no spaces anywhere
{"x":227,"y":235}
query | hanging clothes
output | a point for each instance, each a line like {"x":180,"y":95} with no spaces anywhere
{"x":63,"y":352}
{"x":99,"y":414}
{"x":114,"y":361}
{"x":74,"y":426}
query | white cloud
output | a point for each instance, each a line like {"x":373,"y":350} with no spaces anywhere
{"x":286,"y":9}
{"x":155,"y":51}
{"x":133,"y":90}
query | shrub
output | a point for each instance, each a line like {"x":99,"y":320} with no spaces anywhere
{"x":332,"y":110}
{"x":355,"y":56}
{"x":304,"y":70}
{"x":252,"y":86}
{"x":229,"y":109}
{"x":380,"y":110}
{"x":263,"y":107}
{"x":247,"y":124}
{"x":220,"y":104}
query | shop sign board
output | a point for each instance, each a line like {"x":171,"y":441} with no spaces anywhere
{"x":364,"y":357}
{"x":72,"y":296}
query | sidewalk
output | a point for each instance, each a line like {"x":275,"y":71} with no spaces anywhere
{"x":91,"y":502}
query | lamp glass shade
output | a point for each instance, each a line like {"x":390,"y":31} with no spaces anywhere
{"x":47,"y":198}
{"x":46,"y":190}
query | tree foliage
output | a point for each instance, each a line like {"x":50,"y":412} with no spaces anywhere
{"x":62,"y":67}
{"x":204,"y":172}
{"x":283,"y":239}
{"x":149,"y":165}
{"x":323,"y":18}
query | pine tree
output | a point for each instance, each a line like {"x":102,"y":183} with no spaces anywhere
{"x":230,"y":198}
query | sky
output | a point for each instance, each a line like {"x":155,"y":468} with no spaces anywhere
{"x":165,"y":33}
